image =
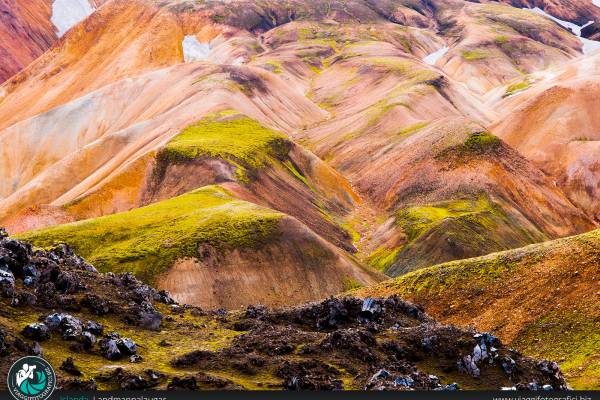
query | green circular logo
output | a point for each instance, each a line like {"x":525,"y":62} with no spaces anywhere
{"x":31,"y":378}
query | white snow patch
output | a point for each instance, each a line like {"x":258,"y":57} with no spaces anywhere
{"x":588,"y":45}
{"x":68,"y":13}
{"x":434,"y":57}
{"x":596,"y":3}
{"x":193,"y":50}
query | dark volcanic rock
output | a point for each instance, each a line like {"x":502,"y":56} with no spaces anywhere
{"x":185,"y":383}
{"x":128,"y":380}
{"x":36,"y":331}
{"x":94,"y":327}
{"x":69,"y":326}
{"x":96,"y":304}
{"x":77,"y":384}
{"x":69,"y":367}
{"x":114,"y":347}
{"x":7,"y":282}
{"x":591,"y":31}
{"x":309,"y":375}
{"x":109,"y":348}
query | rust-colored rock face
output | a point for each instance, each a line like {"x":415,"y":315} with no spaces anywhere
{"x":25,"y":33}
{"x":577,"y":11}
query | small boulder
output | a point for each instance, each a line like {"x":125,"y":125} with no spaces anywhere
{"x":7,"y":283}
{"x":185,"y":383}
{"x":69,"y":326}
{"x":508,"y":365}
{"x":36,"y":331}
{"x":87,"y":339}
{"x":163,"y":297}
{"x":371,"y":309}
{"x":94,"y":327}
{"x":69,"y":367}
{"x":114,"y":347}
{"x":135,"y":359}
{"x":127,"y":346}
{"x":109,"y":348}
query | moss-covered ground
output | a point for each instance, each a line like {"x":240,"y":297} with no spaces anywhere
{"x":462,"y":219}
{"x":417,"y":220}
{"x":229,"y":136}
{"x":147,"y":240}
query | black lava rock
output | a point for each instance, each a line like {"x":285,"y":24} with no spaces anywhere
{"x":36,"y":331}
{"x":69,"y":367}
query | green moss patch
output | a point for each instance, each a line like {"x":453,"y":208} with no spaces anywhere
{"x":382,"y":258}
{"x":475,"y":54}
{"x":415,"y":221}
{"x":455,"y":273}
{"x":517,"y":87}
{"x":571,"y":338}
{"x":147,"y":240}
{"x":235,"y":138}
{"x":475,"y":144}
{"x":435,"y":232}
{"x":413,"y":128}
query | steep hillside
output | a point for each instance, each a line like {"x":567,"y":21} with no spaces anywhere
{"x":210,"y":249}
{"x":278,"y":152}
{"x":25,"y":33}
{"x":30,"y":27}
{"x":576,"y":11}
{"x":465,"y":193}
{"x":387,"y":144}
{"x":542,"y":299}
{"x":258,"y":164}
{"x":553,"y":123}
{"x":107,"y":331}
{"x":492,"y":44}
{"x":119,"y":132}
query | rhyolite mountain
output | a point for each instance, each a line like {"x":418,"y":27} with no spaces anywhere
{"x":248,"y":152}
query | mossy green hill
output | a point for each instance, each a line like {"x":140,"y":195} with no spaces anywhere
{"x":229,"y":136}
{"x":147,"y":240}
{"x":449,"y":229}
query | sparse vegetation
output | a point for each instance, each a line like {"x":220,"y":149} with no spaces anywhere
{"x":475,"y":54}
{"x":235,"y":138}
{"x":417,"y":220}
{"x":517,"y":87}
{"x":413,"y":128}
{"x":382,"y":258}
{"x":147,"y":240}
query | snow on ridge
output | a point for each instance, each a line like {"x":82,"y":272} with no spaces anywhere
{"x":588,"y":45}
{"x":434,"y":57}
{"x":193,"y":50}
{"x":68,"y":13}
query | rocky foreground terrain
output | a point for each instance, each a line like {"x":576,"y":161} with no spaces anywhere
{"x":104,"y":331}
